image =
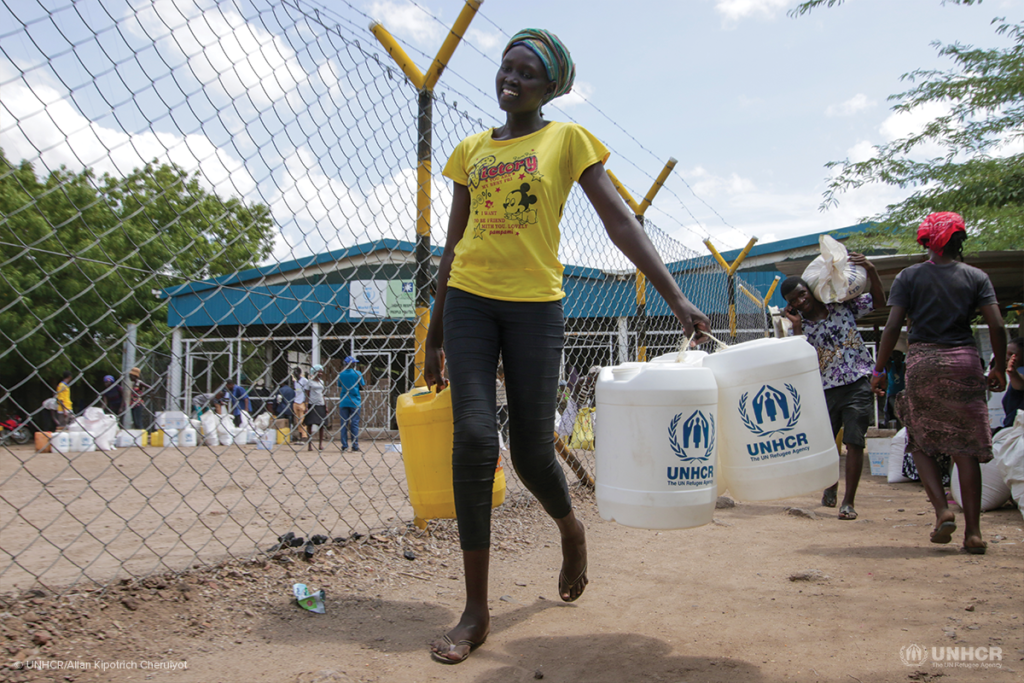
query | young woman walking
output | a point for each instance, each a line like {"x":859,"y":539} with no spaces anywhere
{"x":499,"y":292}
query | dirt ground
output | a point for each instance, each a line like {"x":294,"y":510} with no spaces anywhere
{"x":717,"y":603}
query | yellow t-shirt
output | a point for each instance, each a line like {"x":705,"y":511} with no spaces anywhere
{"x":517,"y":192}
{"x":63,"y":398}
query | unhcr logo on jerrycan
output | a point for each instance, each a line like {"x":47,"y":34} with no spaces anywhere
{"x":772,"y":414}
{"x":694,"y":449}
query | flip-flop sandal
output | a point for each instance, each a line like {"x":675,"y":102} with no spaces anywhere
{"x":943,"y":533}
{"x":847,"y":512}
{"x":439,"y":657}
{"x":828,"y":498}
{"x":571,"y":586}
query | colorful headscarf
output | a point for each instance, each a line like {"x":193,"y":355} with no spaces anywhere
{"x":937,"y":228}
{"x":552,"y":53}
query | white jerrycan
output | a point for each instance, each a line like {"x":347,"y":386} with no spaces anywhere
{"x":656,"y":443}
{"x":776,"y":437}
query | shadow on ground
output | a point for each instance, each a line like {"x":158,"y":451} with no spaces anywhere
{"x":377,"y":624}
{"x":883,"y":552}
{"x":604,"y":658}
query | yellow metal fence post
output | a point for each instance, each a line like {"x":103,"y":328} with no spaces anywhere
{"x":730,"y":279}
{"x":425,"y":83}
{"x":641,"y":281}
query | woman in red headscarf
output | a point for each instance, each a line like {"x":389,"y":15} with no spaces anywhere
{"x":943,"y":405}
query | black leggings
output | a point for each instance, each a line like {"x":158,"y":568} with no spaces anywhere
{"x":528,"y":335}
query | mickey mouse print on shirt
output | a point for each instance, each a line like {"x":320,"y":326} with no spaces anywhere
{"x":517,"y":206}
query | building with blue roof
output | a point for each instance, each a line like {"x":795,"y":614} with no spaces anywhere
{"x":358,"y":301}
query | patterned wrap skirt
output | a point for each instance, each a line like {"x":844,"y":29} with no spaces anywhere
{"x":943,"y":406}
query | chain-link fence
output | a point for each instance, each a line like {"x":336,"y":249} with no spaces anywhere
{"x":193,"y":192}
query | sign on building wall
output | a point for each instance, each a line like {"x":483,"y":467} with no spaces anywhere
{"x":382,"y":298}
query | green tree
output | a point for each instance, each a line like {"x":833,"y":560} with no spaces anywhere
{"x":80,"y":258}
{"x":981,"y":171}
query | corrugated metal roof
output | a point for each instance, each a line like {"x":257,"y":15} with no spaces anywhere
{"x":239,"y":299}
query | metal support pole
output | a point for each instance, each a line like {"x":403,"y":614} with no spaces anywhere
{"x":730,"y":279}
{"x":641,"y":309}
{"x":131,"y":350}
{"x":174,"y":372}
{"x":423,"y":259}
{"x":314,"y":345}
{"x":623,"y":324}
{"x":425,"y":83}
{"x":641,"y":281}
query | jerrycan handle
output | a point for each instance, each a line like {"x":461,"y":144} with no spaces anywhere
{"x":425,"y":395}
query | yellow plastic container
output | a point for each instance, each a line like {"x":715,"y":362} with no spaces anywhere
{"x":156,"y":439}
{"x":284,"y":435}
{"x":425,"y":428}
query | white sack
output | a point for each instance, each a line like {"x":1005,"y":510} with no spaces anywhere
{"x":994,"y":491}
{"x":209,"y":429}
{"x":831,"y":277}
{"x":262,"y":423}
{"x":896,"y":452}
{"x":1008,"y":454}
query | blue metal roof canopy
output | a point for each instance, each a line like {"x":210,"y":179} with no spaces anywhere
{"x":241,"y":299}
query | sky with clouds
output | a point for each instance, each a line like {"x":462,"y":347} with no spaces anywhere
{"x":751,"y":102}
{"x":271,"y":107}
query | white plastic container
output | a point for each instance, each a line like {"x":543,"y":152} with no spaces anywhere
{"x":656,"y":444}
{"x":129,"y":438}
{"x":171,"y":419}
{"x":776,"y":438}
{"x":60,"y":442}
{"x":170,"y":437}
{"x":266,"y":440}
{"x":187,"y":438}
{"x":82,"y":442}
{"x":239,"y":436}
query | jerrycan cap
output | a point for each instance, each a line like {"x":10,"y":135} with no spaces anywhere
{"x":621,"y":373}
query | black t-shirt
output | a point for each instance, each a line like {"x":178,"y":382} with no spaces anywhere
{"x":941,"y":300}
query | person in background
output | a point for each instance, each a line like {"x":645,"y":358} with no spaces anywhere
{"x":283,"y":404}
{"x":943,"y":406}
{"x":350,"y":381}
{"x":499,"y":294}
{"x":299,"y":384}
{"x":258,"y":397}
{"x":237,"y":400}
{"x":845,"y":365}
{"x":63,"y":395}
{"x":896,"y":374}
{"x":316,"y":416}
{"x":1014,"y":398}
{"x":112,"y":397}
{"x":138,"y":401}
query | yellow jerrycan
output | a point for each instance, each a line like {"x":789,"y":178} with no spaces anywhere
{"x":425,"y":429}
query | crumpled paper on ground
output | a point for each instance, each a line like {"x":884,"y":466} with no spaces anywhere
{"x":314,"y":602}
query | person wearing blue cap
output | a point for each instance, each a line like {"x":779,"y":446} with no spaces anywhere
{"x":350,"y":381}
{"x":316,"y":416}
{"x":499,"y":294}
{"x":112,"y":396}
